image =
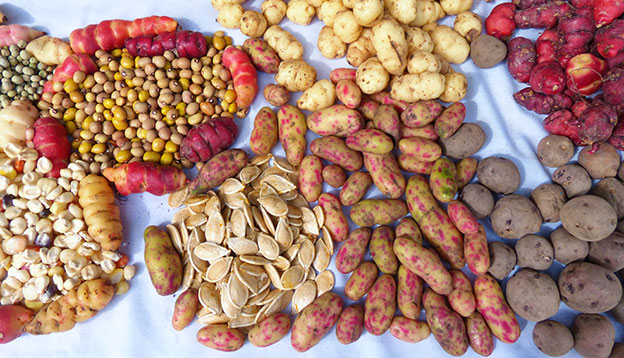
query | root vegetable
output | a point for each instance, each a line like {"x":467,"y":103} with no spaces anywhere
{"x":370,"y":141}
{"x":139,"y":177}
{"x":466,"y":169}
{"x":492,"y":305}
{"x":387,"y":120}
{"x":390,"y":45}
{"x":612,"y":85}
{"x":186,"y":306}
{"x":380,"y":305}
{"x":515,"y":216}
{"x":449,"y":44}
{"x":487,"y":51}
{"x":576,"y":32}
{"x":270,"y":330}
{"x":276,"y":95}
{"x":244,"y":75}
{"x":100,"y":212}
{"x":49,"y":50}
{"x":500,"y":23}
{"x":597,"y":123}
{"x":609,"y":39}
{"x":76,"y":62}
{"x":409,"y":293}
{"x":385,"y":172}
{"x":605,"y":11}
{"x":15,"y":119}
{"x":111,"y":34}
{"x":334,"y":150}
{"x":284,"y":43}
{"x":542,"y":103}
{"x":361,"y":280}
{"x":361,"y":49}
{"x":355,"y":188}
{"x":547,"y":45}
{"x":335,"y":220}
{"x":12,"y":321}
{"x":182,"y":43}
{"x":521,"y":58}
{"x":380,"y":247}
{"x":446,"y":325}
{"x":563,"y":123}
{"x":292,"y":129}
{"x":162,"y":261}
{"x":295,"y":75}
{"x":352,"y":251}
{"x":310,"y":180}
{"x":409,"y":330}
{"x":264,"y":134}
{"x":221,"y":337}
{"x":334,"y":176}
{"x":544,"y":15}
{"x":262,"y":55}
{"x":220,"y":167}
{"x":589,"y":288}
{"x":50,"y":140}
{"x":350,"y":324}
{"x":320,"y":96}
{"x":548,"y":78}
{"x":315,"y":320}
{"x":330,"y":45}
{"x":14,"y":33}
{"x":424,"y":263}
{"x":477,"y":252}
{"x":209,"y":138}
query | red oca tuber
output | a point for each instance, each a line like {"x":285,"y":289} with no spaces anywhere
{"x":139,"y":177}
{"x":609,"y":39}
{"x":182,"y":43}
{"x":50,"y":140}
{"x":584,"y":73}
{"x":521,"y":58}
{"x":597,"y":123}
{"x":12,"y":321}
{"x":500,"y":23}
{"x":542,"y":103}
{"x":563,"y":122}
{"x":206,"y":140}
{"x":547,"y":77}
{"x":605,"y":11}
{"x":544,"y":15}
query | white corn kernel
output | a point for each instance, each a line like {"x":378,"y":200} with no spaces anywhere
{"x":67,"y":255}
{"x":29,"y":292}
{"x":29,"y":166}
{"x":54,"y":193}
{"x":129,"y":272}
{"x":31,"y":219}
{"x":66,"y":173}
{"x":75,"y":210}
{"x":31,"y":191}
{"x":37,"y":270}
{"x":44,"y":165}
{"x":61,"y":226}
{"x":112,"y":255}
{"x":3,"y":220}
{"x":107,"y":265}
{"x":34,"y":206}
{"x":64,"y":183}
{"x":65,"y":198}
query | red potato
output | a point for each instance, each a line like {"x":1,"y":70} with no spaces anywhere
{"x":334,"y":176}
{"x":548,"y":78}
{"x":372,"y":212}
{"x":210,"y":138}
{"x":544,"y":15}
{"x":413,"y":165}
{"x":617,"y":138}
{"x":386,"y":119}
{"x":408,"y":227}
{"x":605,"y":11}
{"x":443,"y":236}
{"x":139,"y":177}
{"x":421,"y":149}
{"x":50,"y":140}
{"x":335,"y":220}
{"x":385,"y":173}
{"x":585,"y":73}
{"x":466,"y":169}
{"x":186,"y":306}
{"x":386,"y":98}
{"x":521,"y":58}
{"x":447,"y":326}
{"x":424,"y":263}
{"x":12,"y":321}
{"x":500,"y":23}
{"x":609,"y":39}
{"x":368,"y":108}
{"x":338,"y":74}
{"x":182,"y":43}
{"x":525,"y":4}
{"x":262,"y":55}
{"x":479,"y":334}
{"x":337,"y":120}
{"x":220,"y":167}
{"x":612,"y":85}
{"x":352,"y":251}
{"x":371,"y":141}
{"x":349,"y":93}
{"x":427,"y":132}
{"x":542,"y":103}
{"x":409,"y":330}
{"x":292,"y":129}
{"x":355,"y":188}
{"x":244,"y":75}
{"x":462,"y":217}
{"x":495,"y":310}
{"x":361,"y":280}
{"x":409,"y":293}
{"x":315,"y":320}
{"x":310,"y":178}
{"x":380,"y":305}
{"x":462,"y":298}
{"x":477,"y":252}
{"x":350,"y":324}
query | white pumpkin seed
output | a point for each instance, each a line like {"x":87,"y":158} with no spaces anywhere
{"x":268,"y":247}
{"x":281,"y":263}
{"x":176,"y":239}
{"x":324,"y":282}
{"x":213,"y":204}
{"x":279,"y":183}
{"x":306,"y":254}
{"x":292,"y":277}
{"x":268,"y":221}
{"x":210,"y":298}
{"x":219,"y":269}
{"x":177,"y":198}
{"x":211,"y":252}
{"x":322,"y":259}
{"x":279,"y":303}
{"x":231,"y":186}
{"x":212,"y":318}
{"x":310,"y":225}
{"x":283,"y":164}
{"x":328,"y":240}
{"x":181,"y":215}
{"x":237,"y":292}
{"x":320,"y":215}
{"x":283,"y":235}
{"x":303,"y":296}
{"x":242,"y":246}
{"x":248,"y":174}
{"x":261,"y":159}
{"x":196,"y":220}
{"x":238,"y":223}
{"x":215,"y":228}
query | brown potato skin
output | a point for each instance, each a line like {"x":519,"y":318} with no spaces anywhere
{"x":608,"y":252}
{"x":500,"y":175}
{"x":602,"y":163}
{"x":515,"y":216}
{"x":594,"y":335}
{"x":555,"y":150}
{"x":502,"y":259}
{"x":532,"y":295}
{"x":478,"y":199}
{"x":468,"y":140}
{"x":486,"y":51}
{"x":549,"y":199}
{"x":588,"y":218}
{"x":552,"y":338}
{"x":568,"y":248}
{"x":611,"y":190}
{"x":534,"y":252}
{"x":589,"y":288}
{"x":573,"y":178}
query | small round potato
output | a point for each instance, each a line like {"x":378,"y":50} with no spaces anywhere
{"x":568,"y":248}
{"x":487,"y":51}
{"x":552,"y":338}
{"x":515,"y":216}
{"x":469,"y":25}
{"x":611,"y":190}
{"x":573,"y":178}
{"x":328,"y":11}
{"x":367,"y":12}
{"x":253,"y":24}
{"x":274,"y":11}
{"x":608,"y":252}
{"x":502,"y":260}
{"x":346,"y":27}
{"x":478,"y":199}
{"x":468,"y":140}
{"x":620,"y":173}
{"x":403,"y":11}
{"x":455,"y":87}
{"x":454,"y":7}
{"x":594,"y":335}
{"x":532,"y":295}
{"x":554,"y":150}
{"x":330,"y":45}
{"x":589,"y":288}
{"x":500,"y":175}
{"x":361,"y":49}
{"x":588,"y":218}
{"x":603,"y":163}
{"x":230,"y":16}
{"x":423,"y":61}
{"x":549,"y":199}
{"x":418,"y":40}
{"x":371,"y":76}
{"x":300,"y":12}
{"x":534,"y":252}
{"x":449,"y":44}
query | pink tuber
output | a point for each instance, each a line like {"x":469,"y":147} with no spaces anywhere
{"x":584,"y":73}
{"x":500,"y":23}
{"x":546,"y":46}
{"x":547,"y":77}
{"x":617,"y":138}
{"x":582,"y":3}
{"x":564,"y":123}
{"x":579,"y":107}
{"x":525,"y":4}
{"x":541,"y":15}
{"x":521,"y":58}
{"x":609,"y":39}
{"x":183,"y":43}
{"x":50,"y":140}
{"x":613,"y":86}
{"x":596,"y":123}
{"x":75,"y":62}
{"x":576,"y":32}
{"x":12,"y":321}
{"x":605,"y":11}
{"x":542,"y":103}
{"x":12,"y":34}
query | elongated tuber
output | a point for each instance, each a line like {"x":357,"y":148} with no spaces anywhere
{"x":12,"y":321}
{"x":208,"y":139}
{"x":542,"y":103}
{"x":49,"y":50}
{"x":521,"y":58}
{"x":220,"y":167}
{"x":575,"y":32}
{"x":12,"y":34}
{"x":244,"y":75}
{"x":50,"y":140}
{"x":544,"y":15}
{"x":111,"y":34}
{"x":15,"y":119}
{"x":546,"y":46}
{"x":609,"y":39}
{"x":139,"y":177}
{"x":182,"y":43}
{"x":500,"y":23}
{"x":563,"y":122}
{"x":100,"y":212}
{"x":73,"y":63}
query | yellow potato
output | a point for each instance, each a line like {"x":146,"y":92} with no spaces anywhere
{"x":274,"y":11}
{"x":391,"y":45}
{"x":295,"y":75}
{"x":468,"y":24}
{"x":95,"y":294}
{"x":284,"y":43}
{"x":449,"y":44}
{"x":330,"y":45}
{"x":454,"y":7}
{"x":230,"y":16}
{"x":300,"y":12}
{"x":362,"y":49}
{"x":346,"y":27}
{"x":218,"y":4}
{"x":328,"y":11}
{"x":427,"y":12}
{"x":321,"y":95}
{"x":455,"y":87}
{"x":367,"y":12}
{"x":253,"y":24}
{"x":404,"y":11}
{"x":416,"y":87}
{"x":418,"y":40}
{"x":371,"y":76}
{"x":423,"y":61}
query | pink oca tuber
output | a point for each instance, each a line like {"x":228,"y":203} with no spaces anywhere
{"x":596,"y":123}
{"x":605,"y":11}
{"x":500,"y":23}
{"x":521,"y":58}
{"x":584,"y":73}
{"x":209,"y":138}
{"x":576,"y":32}
{"x":12,"y":321}
{"x":542,"y":103}
{"x":617,"y":138}
{"x":548,"y":78}
{"x":182,"y":43}
{"x":139,"y":177}
{"x":546,"y":46}
{"x":75,"y":62}
{"x":50,"y":140}
{"x":12,"y":34}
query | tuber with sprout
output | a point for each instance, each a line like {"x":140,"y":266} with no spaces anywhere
{"x":609,"y":40}
{"x":542,"y":103}
{"x":596,"y":123}
{"x":544,"y":15}
{"x":139,"y":177}
{"x":584,"y":73}
{"x":244,"y":75}
{"x":548,"y":78}
{"x":182,"y":43}
{"x":111,"y":34}
{"x":605,"y":11}
{"x":563,"y":122}
{"x":209,"y":138}
{"x":50,"y":140}
{"x":521,"y":58}
{"x":12,"y":34}
{"x":500,"y":23}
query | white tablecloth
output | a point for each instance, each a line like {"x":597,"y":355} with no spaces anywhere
{"x":138,"y":324}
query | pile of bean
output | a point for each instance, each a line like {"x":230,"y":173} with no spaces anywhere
{"x":23,"y":76}
{"x":140,"y":108}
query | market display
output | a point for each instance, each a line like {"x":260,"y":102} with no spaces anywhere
{"x":380,"y":164}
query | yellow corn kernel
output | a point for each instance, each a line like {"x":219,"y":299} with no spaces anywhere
{"x":127,"y":62}
{"x":85,"y":147}
{"x":70,"y":126}
{"x":70,"y":86}
{"x":122,"y":287}
{"x":56,"y":270}
{"x":123,"y":156}
{"x":8,"y":171}
{"x":116,"y":52}
{"x":120,"y":125}
{"x":70,"y":114}
{"x":232,"y":108}
{"x":98,"y":148}
{"x":171,"y":147}
{"x":33,"y":305}
{"x":108,"y":103}
{"x":166,"y":159}
{"x":181,"y":107}
{"x":184,"y":82}
{"x":141,"y":133}
{"x":108,"y":115}
{"x":144,"y":96}
{"x":158,"y":145}
{"x":151,"y":157}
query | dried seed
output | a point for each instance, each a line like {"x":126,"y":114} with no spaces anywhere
{"x":303,"y":296}
{"x":292,"y":252}
{"x":293,"y":212}
{"x":279,"y":303}
{"x":242,"y":246}
{"x":213,"y":204}
{"x":267,"y":190}
{"x":261,"y":159}
{"x":267,"y":221}
{"x":237,"y":292}
{"x":306,"y":254}
{"x":258,"y":219}
{"x":324,"y":282}
{"x":328,"y":240}
{"x":219,"y":269}
{"x":231,"y":186}
{"x":283,"y":235}
{"x":197,"y":200}
{"x":281,"y":263}
{"x":211,"y":252}
{"x":320,"y":215}
{"x":235,"y":201}
{"x":252,"y":283}
{"x":228,"y":306}
{"x":289,"y":195}
{"x":215,"y":228}
{"x":322,"y":259}
{"x":253,"y":196}
{"x":268,"y":247}
{"x":176,"y":239}
{"x":310,"y":225}
{"x":300,"y":202}
{"x":257,"y":299}
{"x":195,"y":220}
{"x":292,"y":277}
{"x":211,"y":318}
{"x":274,"y":276}
{"x":280,"y":183}
{"x":283,"y":164}
{"x":254,"y":260}
{"x":248,"y":174}
{"x":238,"y":223}
{"x":187,"y":277}
{"x":253,"y":270}
{"x":243,"y":320}
{"x":210,"y":298}
{"x":248,"y":214}
{"x":181,"y":215}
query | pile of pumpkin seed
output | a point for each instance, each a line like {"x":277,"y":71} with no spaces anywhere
{"x":253,"y":247}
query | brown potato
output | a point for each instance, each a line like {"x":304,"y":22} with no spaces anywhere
{"x":532,"y":295}
{"x":594,"y":335}
{"x":555,"y":150}
{"x":534,"y":252}
{"x":618,"y":351}
{"x":478,"y":199}
{"x":618,"y":311}
{"x":568,"y":248}
{"x":515,"y":216}
{"x":549,"y":199}
{"x":552,"y":338}
{"x":611,"y":190}
{"x":602,"y":163}
{"x":589,"y":288}
{"x":573,"y":178}
{"x":620,"y":173}
{"x":468,"y":140}
{"x":500,"y":175}
{"x":502,"y":259}
{"x":487,"y":51}
{"x":608,"y":252}
{"x":588,"y":218}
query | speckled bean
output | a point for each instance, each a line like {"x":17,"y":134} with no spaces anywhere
{"x":355,"y":188}
{"x":477,"y":252}
{"x":350,"y":324}
{"x":370,"y":141}
{"x":361,"y":280}
{"x":408,"y":227}
{"x":221,"y":337}
{"x":387,"y":120}
{"x":315,"y":320}
{"x":310,"y":177}
{"x":427,"y":132}
{"x":409,"y":330}
{"x":442,"y":180}
{"x":409,"y":293}
{"x":386,"y":175}
{"x":371,"y":212}
{"x":443,"y":236}
{"x":413,"y":165}
{"x":380,"y":305}
{"x":352,"y":251}
{"x":466,"y":169}
{"x":335,"y":220}
{"x":425,"y":263}
{"x":447,"y":326}
{"x":421,"y":113}
{"x":292,"y":129}
{"x":186,"y":305}
{"x":420,"y":148}
{"x":479,"y":334}
{"x":270,"y":330}
{"x":349,"y":93}
{"x":462,"y":298}
{"x":334,"y":150}
{"x":337,"y":120}
{"x":334,"y":176}
{"x":381,"y":250}
{"x":492,"y":305}
{"x":462,"y":217}
{"x":264,"y":134}
{"x":450,"y":120}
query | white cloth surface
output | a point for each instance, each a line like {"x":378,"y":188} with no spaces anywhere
{"x":138,"y":324}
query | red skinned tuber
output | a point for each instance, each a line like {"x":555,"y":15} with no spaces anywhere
{"x":582,"y":3}
{"x":579,"y":107}
{"x":576,"y":32}
{"x":617,"y":137}
{"x":596,"y":123}
{"x":209,"y":138}
{"x":521,"y":58}
{"x":546,"y":46}
{"x":139,"y":177}
{"x":613,"y":86}
{"x":50,"y":140}
{"x":525,"y":4}
{"x":182,"y":43}
{"x":609,"y":39}
{"x":548,"y":77}
{"x":542,"y":103}
{"x":75,"y":62}
{"x":605,"y":11}
{"x":541,"y":15}
{"x":584,"y":73}
{"x":564,"y":123}
{"x":12,"y":321}
{"x":500,"y":23}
